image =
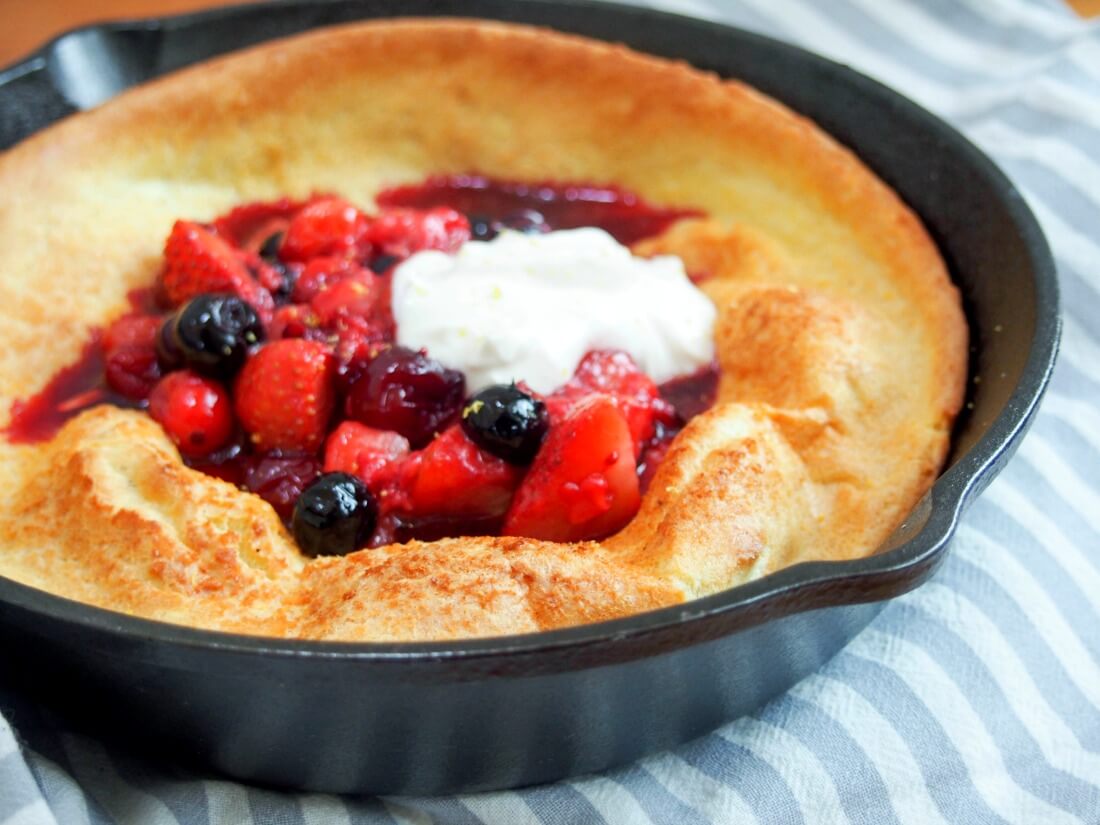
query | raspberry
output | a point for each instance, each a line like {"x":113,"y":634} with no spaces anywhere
{"x":364,"y":452}
{"x":401,"y":232}
{"x":321,"y":273}
{"x":329,"y":226}
{"x":129,"y":349}
{"x":355,"y":296}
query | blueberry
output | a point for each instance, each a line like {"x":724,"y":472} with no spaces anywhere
{"x":507,"y":422}
{"x":211,"y":333}
{"x":527,"y":221}
{"x":269,"y":249}
{"x":482,"y":228}
{"x":381,"y":264}
{"x":334,"y":515}
{"x":169,"y":356}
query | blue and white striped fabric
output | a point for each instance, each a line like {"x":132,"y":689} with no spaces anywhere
{"x":975,"y":699}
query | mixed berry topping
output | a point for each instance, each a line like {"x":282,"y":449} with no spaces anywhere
{"x":269,"y":358}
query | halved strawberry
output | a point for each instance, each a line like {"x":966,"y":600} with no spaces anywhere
{"x":196,"y":261}
{"x":452,"y":476}
{"x":364,"y":452}
{"x":583,"y":483}
{"x":614,"y":373}
{"x":284,"y":395}
{"x":401,"y":232}
{"x":327,"y":226}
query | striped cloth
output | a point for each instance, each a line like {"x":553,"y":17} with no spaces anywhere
{"x":975,"y":699}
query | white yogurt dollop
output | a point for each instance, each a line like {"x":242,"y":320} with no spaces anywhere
{"x":528,"y":307}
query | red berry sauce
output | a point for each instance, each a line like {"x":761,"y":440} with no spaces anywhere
{"x":624,"y":215}
{"x":74,"y":388}
{"x":320,"y":270}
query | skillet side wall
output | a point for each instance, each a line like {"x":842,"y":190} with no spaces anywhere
{"x":341,"y":725}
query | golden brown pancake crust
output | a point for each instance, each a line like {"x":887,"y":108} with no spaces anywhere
{"x":841,"y":340}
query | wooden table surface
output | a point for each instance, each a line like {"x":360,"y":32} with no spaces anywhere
{"x":29,"y":23}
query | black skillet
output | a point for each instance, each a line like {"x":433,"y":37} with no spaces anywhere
{"x":470,"y":715}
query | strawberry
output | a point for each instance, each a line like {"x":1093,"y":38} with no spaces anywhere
{"x":194,"y":411}
{"x":327,"y":226}
{"x":583,"y":483}
{"x":284,"y":395}
{"x":401,"y":232}
{"x":197,"y":261}
{"x":453,"y":477}
{"x":364,"y":452}
{"x":613,"y":373}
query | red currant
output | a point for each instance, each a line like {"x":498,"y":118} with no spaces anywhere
{"x":195,"y":412}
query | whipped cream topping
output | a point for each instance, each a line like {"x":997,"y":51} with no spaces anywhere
{"x":528,"y":307}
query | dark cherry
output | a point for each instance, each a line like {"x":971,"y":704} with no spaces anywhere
{"x":212,"y":333}
{"x":334,"y":516}
{"x":507,"y":422}
{"x":407,"y":392}
{"x":279,"y":480}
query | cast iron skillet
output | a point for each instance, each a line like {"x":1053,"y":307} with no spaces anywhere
{"x":470,"y":715}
